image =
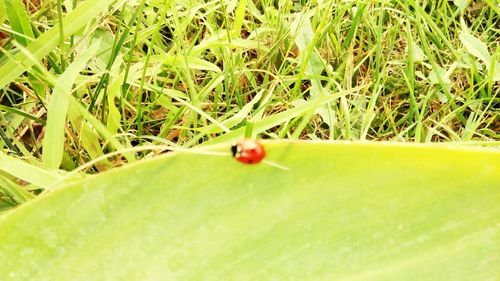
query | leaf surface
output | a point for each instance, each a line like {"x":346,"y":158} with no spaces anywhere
{"x":343,"y":211}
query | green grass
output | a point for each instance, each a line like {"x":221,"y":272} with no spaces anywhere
{"x":79,"y":82}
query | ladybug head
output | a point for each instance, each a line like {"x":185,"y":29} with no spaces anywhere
{"x":234,"y":150}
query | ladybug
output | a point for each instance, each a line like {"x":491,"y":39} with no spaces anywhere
{"x":248,"y":151}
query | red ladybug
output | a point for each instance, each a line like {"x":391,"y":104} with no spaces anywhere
{"x":248,"y":151}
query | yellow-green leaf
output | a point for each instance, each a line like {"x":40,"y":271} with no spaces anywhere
{"x":343,"y":211}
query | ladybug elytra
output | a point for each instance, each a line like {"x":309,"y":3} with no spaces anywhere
{"x":248,"y":151}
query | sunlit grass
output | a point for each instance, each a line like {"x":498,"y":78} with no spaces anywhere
{"x":184,"y":73}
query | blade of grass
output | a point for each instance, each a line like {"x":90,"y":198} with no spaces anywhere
{"x":19,"y":21}
{"x":53,"y":141}
{"x":14,"y":191}
{"x":22,"y":113}
{"x":186,"y":62}
{"x":3,"y":12}
{"x":360,"y":10}
{"x":234,"y":120}
{"x":28,"y":172}
{"x":7,"y":142}
{"x":117,"y":46}
{"x":61,"y":34}
{"x":239,"y":16}
{"x":279,"y":118}
{"x":114,"y":117}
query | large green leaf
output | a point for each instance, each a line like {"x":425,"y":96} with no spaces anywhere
{"x":343,"y":211}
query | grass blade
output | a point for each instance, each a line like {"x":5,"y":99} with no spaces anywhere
{"x":19,"y":22}
{"x":53,"y":141}
{"x":14,"y":191}
{"x":27,"y":172}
